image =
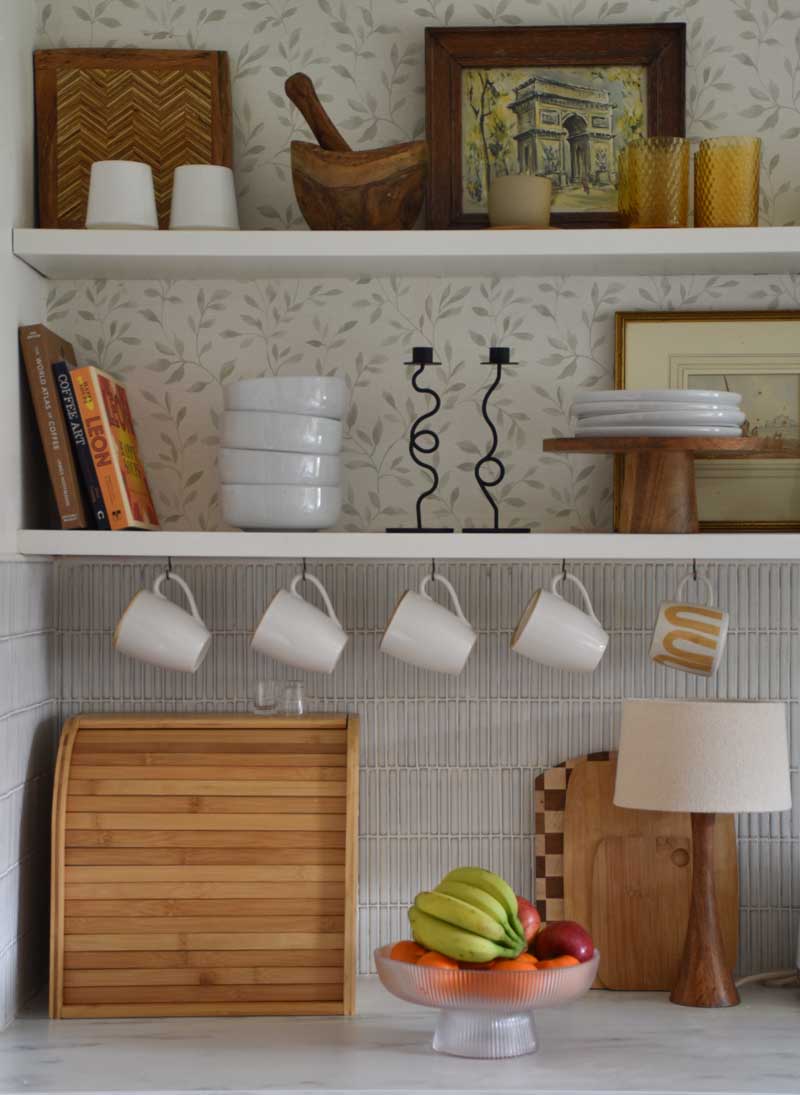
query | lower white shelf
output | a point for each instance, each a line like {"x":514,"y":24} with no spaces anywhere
{"x":411,"y":545}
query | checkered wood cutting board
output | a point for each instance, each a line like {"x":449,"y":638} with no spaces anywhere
{"x":550,"y":800}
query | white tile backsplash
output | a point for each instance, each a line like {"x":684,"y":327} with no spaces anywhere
{"x":28,"y":738}
{"x":448,"y":764}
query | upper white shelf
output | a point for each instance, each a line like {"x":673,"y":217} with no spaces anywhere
{"x":411,"y":545}
{"x":128,"y":255}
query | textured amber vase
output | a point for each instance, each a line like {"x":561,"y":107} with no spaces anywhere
{"x":658,"y":180}
{"x":726,"y":182}
{"x":624,"y":189}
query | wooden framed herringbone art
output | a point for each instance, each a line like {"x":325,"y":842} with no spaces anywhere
{"x":162,"y":107}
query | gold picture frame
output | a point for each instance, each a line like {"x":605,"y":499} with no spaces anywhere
{"x":735,"y":495}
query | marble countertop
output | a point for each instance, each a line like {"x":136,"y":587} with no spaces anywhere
{"x":607,"y":1042}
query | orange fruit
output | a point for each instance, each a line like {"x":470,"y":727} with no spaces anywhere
{"x":476,"y":965}
{"x":439,"y":961}
{"x":558,"y":963}
{"x":406,"y":951}
{"x":521,"y":962}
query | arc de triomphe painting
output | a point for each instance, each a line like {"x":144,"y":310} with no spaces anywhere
{"x":565,"y":131}
{"x":567,"y":123}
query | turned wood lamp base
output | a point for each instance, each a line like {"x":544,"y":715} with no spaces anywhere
{"x":658,"y":486}
{"x":704,"y":980}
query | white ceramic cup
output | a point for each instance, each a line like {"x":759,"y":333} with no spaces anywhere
{"x":297,"y":633}
{"x":156,"y":630}
{"x":426,"y":634}
{"x":690,"y":636}
{"x":520,"y":200}
{"x":554,"y":632}
{"x":203,"y":197}
{"x":121,"y":195}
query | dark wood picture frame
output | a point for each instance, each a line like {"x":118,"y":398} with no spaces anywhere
{"x":659,"y":47}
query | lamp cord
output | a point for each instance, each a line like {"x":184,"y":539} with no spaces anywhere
{"x":776,"y":979}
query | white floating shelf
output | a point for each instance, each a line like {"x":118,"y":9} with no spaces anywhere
{"x":375,"y":545}
{"x":68,"y":253}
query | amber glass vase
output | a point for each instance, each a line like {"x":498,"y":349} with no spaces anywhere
{"x":726,"y":182}
{"x":624,"y":194}
{"x":658,"y":180}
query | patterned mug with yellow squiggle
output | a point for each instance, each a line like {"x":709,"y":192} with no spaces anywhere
{"x":690,"y":637}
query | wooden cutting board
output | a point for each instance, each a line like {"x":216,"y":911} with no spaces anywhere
{"x":638,"y":881}
{"x":204,"y":865}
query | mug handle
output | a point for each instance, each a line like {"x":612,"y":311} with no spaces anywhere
{"x":320,"y":589}
{"x":700,"y":578}
{"x":189,"y":597}
{"x":586,"y":601}
{"x":423,"y":588}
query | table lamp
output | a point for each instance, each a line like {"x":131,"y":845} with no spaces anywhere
{"x":704,"y":757}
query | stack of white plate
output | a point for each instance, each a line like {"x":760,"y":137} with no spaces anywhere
{"x":280,"y":462}
{"x":658,"y":413}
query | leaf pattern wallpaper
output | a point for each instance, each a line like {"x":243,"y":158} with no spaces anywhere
{"x":175,"y":344}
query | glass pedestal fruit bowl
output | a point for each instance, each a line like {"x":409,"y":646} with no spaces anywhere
{"x":485,"y":1013}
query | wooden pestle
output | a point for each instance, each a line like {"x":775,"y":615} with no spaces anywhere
{"x":301,"y":91}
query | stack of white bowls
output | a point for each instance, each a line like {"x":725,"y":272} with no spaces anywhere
{"x":280,"y":462}
{"x":663,"y":412}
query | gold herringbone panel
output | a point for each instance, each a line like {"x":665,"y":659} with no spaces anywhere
{"x":160,"y":117}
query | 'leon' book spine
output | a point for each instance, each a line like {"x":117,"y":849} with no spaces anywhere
{"x":80,"y":445}
{"x":36,"y":344}
{"x":107,"y":420}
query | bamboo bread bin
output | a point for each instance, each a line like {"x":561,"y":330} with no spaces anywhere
{"x":204,"y":865}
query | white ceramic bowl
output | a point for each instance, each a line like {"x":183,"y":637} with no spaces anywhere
{"x":729,"y":417}
{"x":325,"y":396}
{"x":256,"y":466}
{"x":280,"y":506}
{"x":280,"y":432}
{"x":658,"y":431}
{"x":588,"y":410}
{"x":658,"y":395}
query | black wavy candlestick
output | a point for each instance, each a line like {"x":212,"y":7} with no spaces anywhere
{"x":421,"y":356}
{"x":498,"y":356}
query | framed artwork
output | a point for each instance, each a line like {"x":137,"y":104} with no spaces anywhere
{"x":754,"y":353}
{"x":555,"y":101}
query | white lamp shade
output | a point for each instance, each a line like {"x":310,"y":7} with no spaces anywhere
{"x":703,"y":756}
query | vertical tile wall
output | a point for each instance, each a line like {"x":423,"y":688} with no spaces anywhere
{"x":28,"y":737}
{"x":447,"y":765}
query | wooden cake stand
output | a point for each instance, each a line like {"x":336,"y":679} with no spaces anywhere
{"x":658,"y":488}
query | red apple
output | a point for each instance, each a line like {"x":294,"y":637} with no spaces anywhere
{"x":529,"y":917}
{"x":563,"y":937}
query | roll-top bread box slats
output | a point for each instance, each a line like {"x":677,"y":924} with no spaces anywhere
{"x":204,"y":865}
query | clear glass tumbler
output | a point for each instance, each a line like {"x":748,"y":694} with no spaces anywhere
{"x":659,"y":182}
{"x":726,"y":182}
{"x":293,"y":698}
{"x":264,"y":699}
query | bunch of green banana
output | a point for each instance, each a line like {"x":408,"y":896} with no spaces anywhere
{"x":470,"y":916}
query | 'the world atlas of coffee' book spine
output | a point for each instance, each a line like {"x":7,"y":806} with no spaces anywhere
{"x":38,"y":345}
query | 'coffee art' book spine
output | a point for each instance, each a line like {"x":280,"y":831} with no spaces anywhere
{"x":109,"y":431}
{"x":52,"y":427}
{"x":80,"y":444}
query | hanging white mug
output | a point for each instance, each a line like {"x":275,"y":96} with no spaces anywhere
{"x":297,"y":633}
{"x":156,"y":630}
{"x":690,"y":636}
{"x":426,"y":634}
{"x":554,"y":632}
